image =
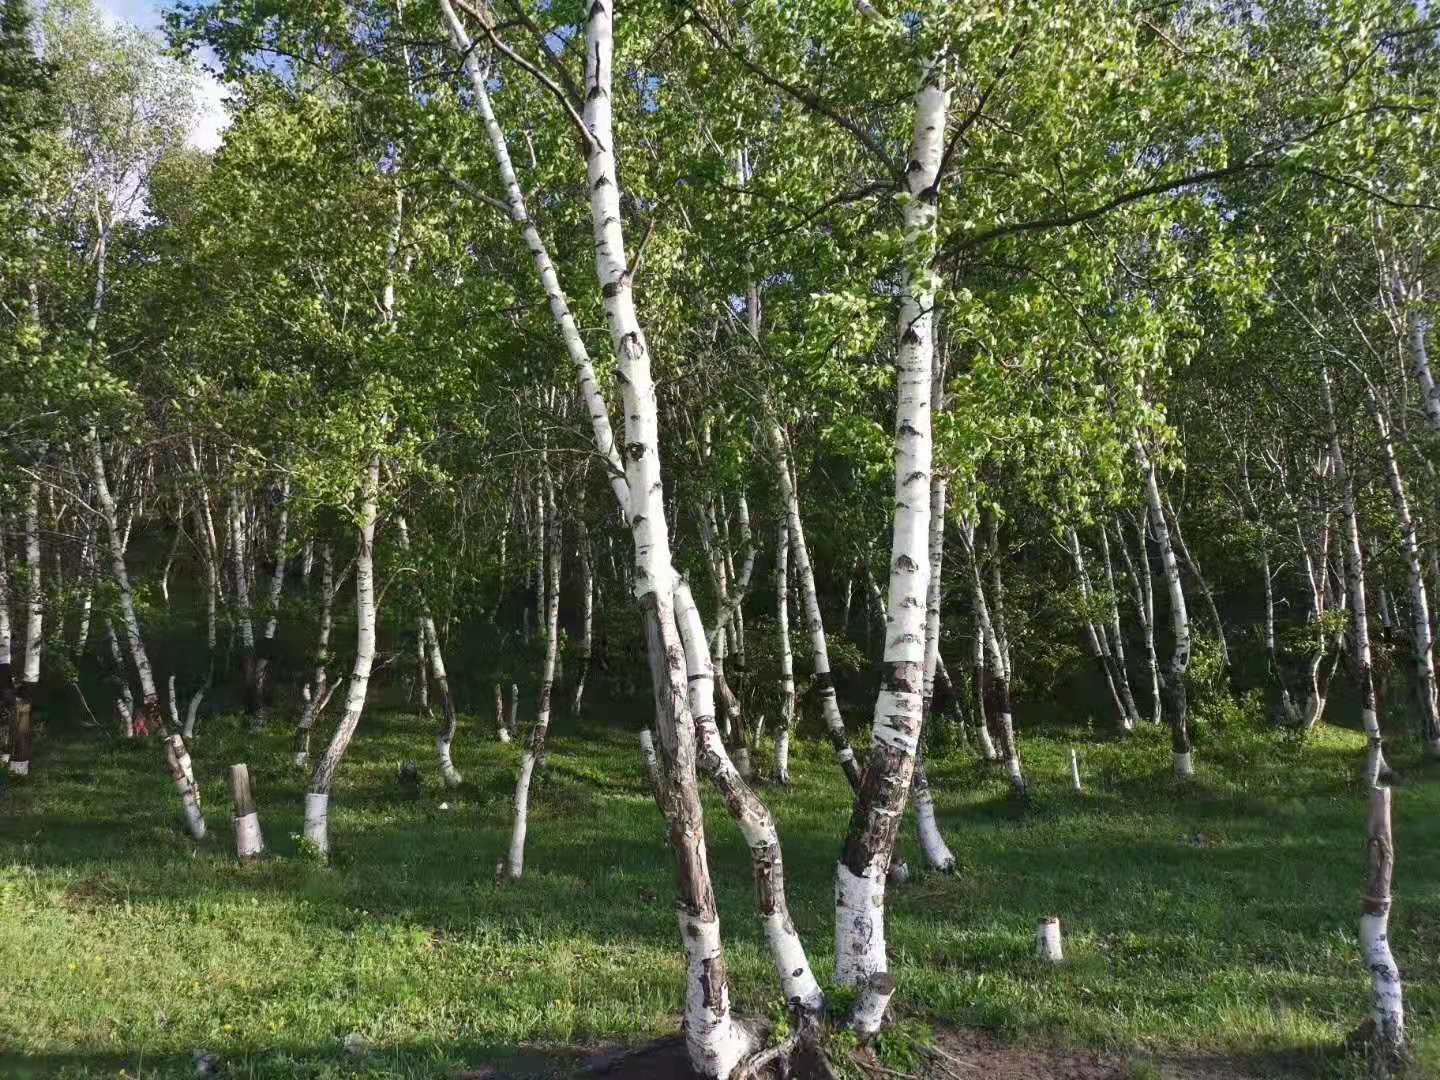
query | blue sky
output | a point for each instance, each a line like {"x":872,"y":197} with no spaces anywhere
{"x":205,"y":133}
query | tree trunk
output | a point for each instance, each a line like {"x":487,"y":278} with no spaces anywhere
{"x":124,"y":699}
{"x":1355,"y":574}
{"x":240,"y":568}
{"x":23,"y":718}
{"x":317,"y":798}
{"x":249,"y":843}
{"x":810,"y":603}
{"x":716,"y":1044}
{"x":317,"y":693}
{"x":1184,"y":552}
{"x":1387,"y":1008}
{"x":1422,"y":643}
{"x":1176,"y":705}
{"x":860,"y":873}
{"x":1143,"y":592}
{"x":177,"y":756}
{"x":430,"y":652}
{"x":535,"y":744}
{"x":787,"y":660}
{"x":1117,"y":633}
{"x":583,"y":643}
{"x":1095,"y":635}
{"x":932,"y":843}
{"x":797,"y":981}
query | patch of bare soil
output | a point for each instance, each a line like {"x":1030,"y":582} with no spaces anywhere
{"x":956,"y":1054}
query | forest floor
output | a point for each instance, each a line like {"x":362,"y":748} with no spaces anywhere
{"x":1210,"y":929}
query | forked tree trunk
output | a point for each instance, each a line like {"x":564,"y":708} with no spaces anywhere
{"x":317,"y":797}
{"x":1176,"y":703}
{"x":317,"y":691}
{"x":860,"y":873}
{"x":810,"y":605}
{"x":535,"y":744}
{"x":797,"y":981}
{"x":177,"y":756}
{"x":715,"y":1042}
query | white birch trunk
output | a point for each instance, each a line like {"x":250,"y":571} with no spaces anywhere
{"x":1117,"y":633}
{"x":1429,"y":391}
{"x":787,"y":660}
{"x":716,"y":1043}
{"x":860,"y":873}
{"x":316,"y":691}
{"x":550,"y":613}
{"x":585,"y":642}
{"x":317,"y":798}
{"x":792,"y":967}
{"x":1422,"y":643}
{"x":1174,"y":682}
{"x":1095,"y":634}
{"x":932,"y":842}
{"x":23,"y":719}
{"x":1355,"y":573}
{"x":810,"y":605}
{"x":1387,"y":1007}
{"x":177,"y":756}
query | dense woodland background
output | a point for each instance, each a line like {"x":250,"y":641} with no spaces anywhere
{"x":998,"y":464}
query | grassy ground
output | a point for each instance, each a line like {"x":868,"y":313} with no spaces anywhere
{"x":1221,"y":917}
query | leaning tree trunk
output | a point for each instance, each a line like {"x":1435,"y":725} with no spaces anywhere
{"x":1205,"y":592}
{"x":787,"y":659}
{"x":860,"y":873}
{"x":1095,"y":635}
{"x":317,"y":797}
{"x":23,"y":719}
{"x":535,"y":745}
{"x":810,"y":603}
{"x":1422,"y":640}
{"x":716,"y":1043}
{"x":177,"y":756}
{"x":797,"y":981}
{"x":1176,"y":705}
{"x":1355,"y":575}
{"x":124,"y":700}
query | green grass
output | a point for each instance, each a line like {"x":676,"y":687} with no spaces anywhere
{"x":1220,"y":917}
